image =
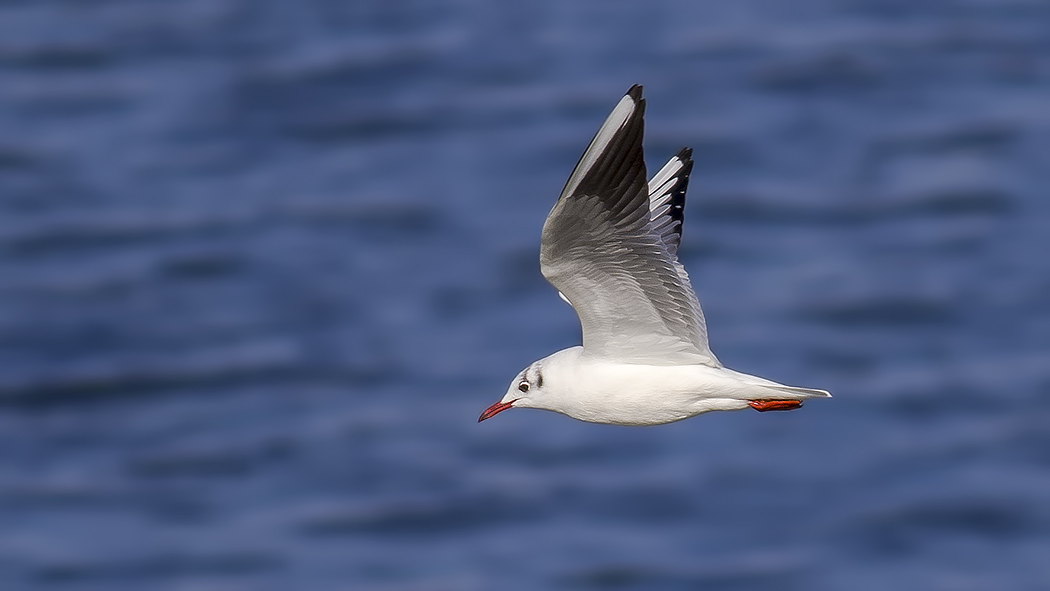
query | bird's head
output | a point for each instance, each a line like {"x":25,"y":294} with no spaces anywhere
{"x":523,"y":391}
{"x":544,"y":384}
{"x":529,"y":389}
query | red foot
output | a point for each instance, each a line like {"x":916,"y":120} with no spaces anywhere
{"x":764,"y":405}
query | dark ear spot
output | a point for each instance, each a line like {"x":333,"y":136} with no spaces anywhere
{"x":539,"y":379}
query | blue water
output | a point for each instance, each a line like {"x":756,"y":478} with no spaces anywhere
{"x":262,"y":264}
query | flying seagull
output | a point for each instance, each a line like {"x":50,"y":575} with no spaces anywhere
{"x":610,"y":248}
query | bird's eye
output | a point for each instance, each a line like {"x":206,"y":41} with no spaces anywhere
{"x":524,"y":386}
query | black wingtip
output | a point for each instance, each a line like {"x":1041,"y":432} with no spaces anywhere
{"x":635,"y":92}
{"x":685,"y":155}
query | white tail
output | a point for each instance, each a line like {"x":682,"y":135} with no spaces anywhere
{"x":799,"y":393}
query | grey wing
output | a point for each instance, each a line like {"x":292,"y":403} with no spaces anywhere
{"x":667,"y":213}
{"x":602,"y":251}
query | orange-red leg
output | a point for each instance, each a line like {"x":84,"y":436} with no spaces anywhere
{"x":764,"y":405}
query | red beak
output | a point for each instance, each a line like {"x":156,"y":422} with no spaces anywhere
{"x":495,"y":409}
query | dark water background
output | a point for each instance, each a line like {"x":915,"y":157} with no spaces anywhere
{"x":263,"y":263}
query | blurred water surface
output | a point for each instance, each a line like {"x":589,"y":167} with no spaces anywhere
{"x":263,"y":263}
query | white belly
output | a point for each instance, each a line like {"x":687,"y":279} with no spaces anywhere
{"x":650,"y":395}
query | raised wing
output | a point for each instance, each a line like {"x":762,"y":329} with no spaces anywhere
{"x":603,"y":251}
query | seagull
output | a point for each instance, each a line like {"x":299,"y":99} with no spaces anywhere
{"x":610,"y":248}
